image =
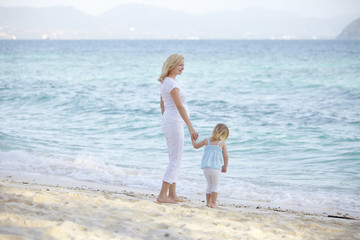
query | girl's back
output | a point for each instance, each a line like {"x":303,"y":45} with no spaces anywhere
{"x":213,"y":155}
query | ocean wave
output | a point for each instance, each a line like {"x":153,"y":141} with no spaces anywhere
{"x":87,"y":168}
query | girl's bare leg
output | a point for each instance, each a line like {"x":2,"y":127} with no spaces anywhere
{"x":213,"y":197}
{"x":208,"y":200}
{"x":163,"y":198}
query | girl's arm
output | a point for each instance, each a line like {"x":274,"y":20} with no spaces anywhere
{"x":198,"y":145}
{"x":226,"y":158}
{"x":175,"y":94}
{"x":162,"y":106}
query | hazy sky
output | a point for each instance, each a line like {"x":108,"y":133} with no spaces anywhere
{"x":306,"y":8}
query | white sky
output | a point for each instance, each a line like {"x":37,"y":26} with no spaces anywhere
{"x":305,"y":8}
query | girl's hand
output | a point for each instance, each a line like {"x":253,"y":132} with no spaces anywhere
{"x":193,"y":133}
{"x":223,"y":169}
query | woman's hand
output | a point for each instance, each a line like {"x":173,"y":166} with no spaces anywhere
{"x":193,"y":133}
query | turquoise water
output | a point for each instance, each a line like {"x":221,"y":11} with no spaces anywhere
{"x":89,"y":110}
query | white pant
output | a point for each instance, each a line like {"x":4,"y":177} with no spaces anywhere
{"x":174,"y":133}
{"x":212,"y":176}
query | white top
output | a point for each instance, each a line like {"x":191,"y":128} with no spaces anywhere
{"x":171,"y":112}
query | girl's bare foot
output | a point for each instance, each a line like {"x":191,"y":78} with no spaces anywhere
{"x":214,"y":206}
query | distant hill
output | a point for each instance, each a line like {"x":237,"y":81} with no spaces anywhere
{"x":151,"y":22}
{"x":140,"y":21}
{"x":59,"y":22}
{"x":251,"y":23}
{"x":352,"y":31}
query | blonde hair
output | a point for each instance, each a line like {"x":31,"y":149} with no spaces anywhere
{"x":171,"y":62}
{"x":220,"y":132}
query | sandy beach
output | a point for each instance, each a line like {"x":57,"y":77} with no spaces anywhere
{"x":44,"y":207}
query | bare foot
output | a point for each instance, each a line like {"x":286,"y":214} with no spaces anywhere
{"x":177,"y":199}
{"x":166,"y":200}
{"x":214,"y":206}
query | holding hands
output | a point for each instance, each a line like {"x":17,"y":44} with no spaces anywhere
{"x":193,"y":133}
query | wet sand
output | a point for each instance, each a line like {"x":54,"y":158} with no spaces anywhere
{"x":39,"y":207}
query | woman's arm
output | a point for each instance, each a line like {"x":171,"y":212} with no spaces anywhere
{"x":175,"y":94}
{"x":162,"y":106}
{"x":198,"y":145}
{"x":226,"y":159}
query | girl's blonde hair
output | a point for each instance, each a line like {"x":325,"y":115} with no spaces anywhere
{"x":220,"y":132}
{"x":171,"y":62}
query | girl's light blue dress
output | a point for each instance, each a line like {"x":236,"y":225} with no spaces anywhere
{"x":213,"y":156}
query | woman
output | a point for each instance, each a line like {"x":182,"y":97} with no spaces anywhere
{"x":175,"y":113}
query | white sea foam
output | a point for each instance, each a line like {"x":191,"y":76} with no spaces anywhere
{"x":86,"y":168}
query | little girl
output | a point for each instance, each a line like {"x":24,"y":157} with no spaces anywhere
{"x":215,"y":159}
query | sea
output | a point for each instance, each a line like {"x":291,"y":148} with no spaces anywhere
{"x":89,"y":110}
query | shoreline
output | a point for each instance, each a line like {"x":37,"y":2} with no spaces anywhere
{"x":59,"y":208}
{"x":63,"y":181}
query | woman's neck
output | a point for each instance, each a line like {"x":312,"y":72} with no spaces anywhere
{"x":172,"y":76}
